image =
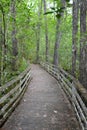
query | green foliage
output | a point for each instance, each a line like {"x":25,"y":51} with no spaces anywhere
{"x":26,"y":26}
{"x":65,"y":49}
{"x":50,"y":12}
{"x":56,"y":11}
{"x":67,"y":0}
{"x":23,"y":64}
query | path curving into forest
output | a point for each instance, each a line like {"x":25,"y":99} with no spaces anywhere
{"x":43,"y":107}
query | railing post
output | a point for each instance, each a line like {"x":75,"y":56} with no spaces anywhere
{"x":68,"y":83}
{"x":86,"y":127}
{"x":48,"y":67}
{"x":73,"y":93}
{"x":51,"y":69}
{"x":20,"y":85}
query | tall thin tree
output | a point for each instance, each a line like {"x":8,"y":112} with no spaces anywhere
{"x":38,"y":31}
{"x":0,"y":50}
{"x":14,"y":39}
{"x":83,"y":43}
{"x":58,"y":35}
{"x":57,"y":42}
{"x":74,"y":35}
{"x":3,"y":40}
{"x":46,"y":31}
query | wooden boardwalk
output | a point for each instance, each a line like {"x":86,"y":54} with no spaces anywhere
{"x":43,"y":107}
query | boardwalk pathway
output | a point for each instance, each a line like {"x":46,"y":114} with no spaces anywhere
{"x":44,"y":106}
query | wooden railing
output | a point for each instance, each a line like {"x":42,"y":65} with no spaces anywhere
{"x":74,"y":90}
{"x":11,"y":93}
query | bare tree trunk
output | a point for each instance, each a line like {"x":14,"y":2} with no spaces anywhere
{"x":46,"y":32}
{"x":57,"y":42}
{"x":58,"y":37}
{"x":3,"y":43}
{"x":4,"y":29}
{"x":83,"y":43}
{"x":38,"y":31}
{"x":14,"y":39}
{"x":38,"y":43}
{"x":74,"y":35}
{"x":0,"y":51}
{"x":4,"y":33}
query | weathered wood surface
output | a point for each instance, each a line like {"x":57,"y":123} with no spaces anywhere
{"x":76,"y":93}
{"x":11,"y":93}
{"x":44,"y":106}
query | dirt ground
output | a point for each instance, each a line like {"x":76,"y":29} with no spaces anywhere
{"x":43,"y":107}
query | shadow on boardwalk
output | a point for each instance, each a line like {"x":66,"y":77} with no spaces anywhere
{"x":44,"y":106}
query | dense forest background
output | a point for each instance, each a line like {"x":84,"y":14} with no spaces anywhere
{"x":54,"y":31}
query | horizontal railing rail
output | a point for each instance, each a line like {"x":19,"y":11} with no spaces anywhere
{"x":11,"y":93}
{"x":76,"y":93}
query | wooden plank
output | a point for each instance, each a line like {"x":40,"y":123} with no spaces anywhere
{"x":8,"y":84}
{"x":7,"y":114}
{"x":3,"y":110}
{"x":82,"y":91}
{"x":66,"y":80}
{"x":81,"y":103}
{"x":14,"y":101}
{"x":78,"y":116}
{"x":26,"y":79}
{"x":82,"y":116}
{"x":65,"y":90}
{"x":18,"y":97}
{"x":2,"y":99}
{"x":67,"y":85}
{"x":14,"y":80}
{"x":9,"y":94}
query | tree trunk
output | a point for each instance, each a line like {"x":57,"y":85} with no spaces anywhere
{"x":0,"y":50}
{"x":74,"y":35}
{"x":3,"y":44}
{"x":38,"y":43}
{"x":4,"y":29}
{"x":57,"y":42}
{"x":58,"y":37}
{"x":14,"y":39}
{"x":46,"y":32}
{"x":83,"y":43}
{"x":38,"y":31}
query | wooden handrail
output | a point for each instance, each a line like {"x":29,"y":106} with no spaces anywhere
{"x":76,"y":93}
{"x":81,"y":90}
{"x":11,"y":93}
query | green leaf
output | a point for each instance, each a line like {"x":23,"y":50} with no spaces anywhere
{"x":62,"y":8}
{"x":50,"y":12}
{"x":53,"y":8}
{"x":69,"y":5}
{"x":58,"y":16}
{"x":67,"y":0}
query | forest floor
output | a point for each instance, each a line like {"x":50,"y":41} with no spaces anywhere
{"x":43,"y":107}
